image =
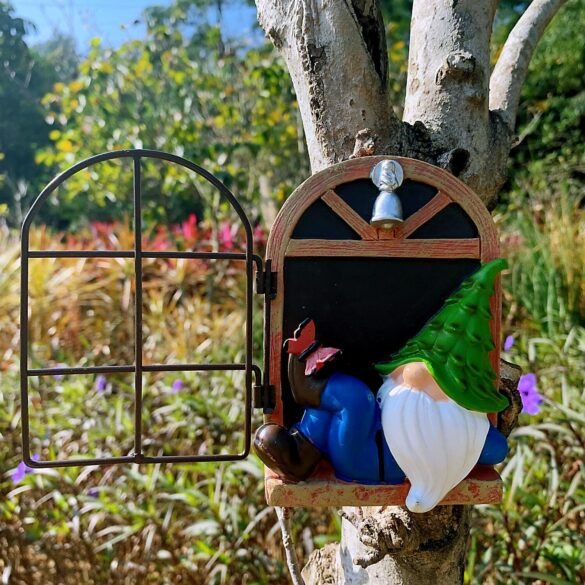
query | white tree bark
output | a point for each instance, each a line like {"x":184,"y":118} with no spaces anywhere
{"x":337,"y":96}
{"x":336,"y":54}
{"x":512,"y":65}
{"x":448,"y":81}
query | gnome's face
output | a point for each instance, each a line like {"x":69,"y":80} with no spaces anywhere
{"x":434,"y":440}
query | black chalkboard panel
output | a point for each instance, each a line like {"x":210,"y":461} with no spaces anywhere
{"x":450,"y":222}
{"x":368,"y":307}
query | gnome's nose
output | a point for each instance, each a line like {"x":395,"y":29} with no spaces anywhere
{"x":416,"y":375}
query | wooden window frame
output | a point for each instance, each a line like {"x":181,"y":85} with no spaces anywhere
{"x":322,"y":489}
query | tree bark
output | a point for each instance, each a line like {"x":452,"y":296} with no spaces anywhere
{"x":448,"y":82}
{"x":335,"y":51}
{"x":512,"y":66}
{"x":337,"y":96}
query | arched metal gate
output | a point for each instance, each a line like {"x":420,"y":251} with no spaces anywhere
{"x":253,"y":377}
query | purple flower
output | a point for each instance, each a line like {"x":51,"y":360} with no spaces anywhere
{"x":508,"y":343}
{"x":177,"y":386}
{"x":531,"y":398}
{"x":19,"y":473}
{"x":100,"y":383}
{"x":93,"y":492}
{"x":22,"y":469}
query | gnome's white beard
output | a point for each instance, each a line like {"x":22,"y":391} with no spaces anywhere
{"x":435,"y":443}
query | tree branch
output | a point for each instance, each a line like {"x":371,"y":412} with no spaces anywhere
{"x":284,"y":519}
{"x":336,"y":55}
{"x":448,"y":83}
{"x":512,"y":66}
{"x":391,"y":531}
{"x":396,"y":546}
{"x":509,"y":378}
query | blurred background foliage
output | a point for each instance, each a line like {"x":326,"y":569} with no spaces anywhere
{"x":228,"y":105}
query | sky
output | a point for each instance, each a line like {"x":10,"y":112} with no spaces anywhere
{"x":115,"y":21}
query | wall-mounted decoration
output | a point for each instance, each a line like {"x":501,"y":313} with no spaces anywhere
{"x":389,"y":284}
{"x":381,"y":326}
{"x":429,"y":420}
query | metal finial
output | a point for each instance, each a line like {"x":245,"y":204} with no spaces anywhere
{"x":387,"y":175}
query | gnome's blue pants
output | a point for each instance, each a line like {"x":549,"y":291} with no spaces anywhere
{"x":347,"y":429}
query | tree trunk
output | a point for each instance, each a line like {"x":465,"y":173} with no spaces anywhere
{"x":335,"y":51}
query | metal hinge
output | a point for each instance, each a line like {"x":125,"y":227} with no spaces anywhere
{"x":264,"y":391}
{"x":265,"y":397}
{"x":266,"y":281}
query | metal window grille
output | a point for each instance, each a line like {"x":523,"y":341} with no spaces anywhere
{"x":137,"y":368}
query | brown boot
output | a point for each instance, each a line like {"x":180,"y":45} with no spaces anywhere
{"x":287,"y":452}
{"x":306,"y":390}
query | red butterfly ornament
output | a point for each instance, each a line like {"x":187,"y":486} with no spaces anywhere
{"x":306,"y":347}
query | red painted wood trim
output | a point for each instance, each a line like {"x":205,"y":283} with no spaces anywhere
{"x":490,"y":250}
{"x":353,"y":219}
{"x":483,"y":487}
{"x":448,"y":248}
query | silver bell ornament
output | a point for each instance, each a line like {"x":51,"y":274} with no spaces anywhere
{"x":387,"y":175}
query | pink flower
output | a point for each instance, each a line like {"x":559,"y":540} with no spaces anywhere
{"x":225,"y":236}
{"x":531,"y":397}
{"x":189,"y":228}
{"x":101,"y":228}
{"x":160,"y":241}
{"x":259,"y":235}
{"x":514,"y":240}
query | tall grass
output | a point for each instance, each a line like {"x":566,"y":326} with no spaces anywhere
{"x":208,"y":523}
{"x":546,"y":248}
{"x":194,"y":524}
{"x":536,"y":535}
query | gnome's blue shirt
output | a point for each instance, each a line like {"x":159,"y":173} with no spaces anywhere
{"x":347,"y":429}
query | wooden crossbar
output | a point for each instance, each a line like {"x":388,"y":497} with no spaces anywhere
{"x":353,"y":219}
{"x":432,"y":248}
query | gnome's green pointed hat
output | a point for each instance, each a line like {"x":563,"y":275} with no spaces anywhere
{"x":456,"y":342}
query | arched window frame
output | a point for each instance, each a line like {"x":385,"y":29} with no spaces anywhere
{"x":323,"y":489}
{"x":251,"y":371}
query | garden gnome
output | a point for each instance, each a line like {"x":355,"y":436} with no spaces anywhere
{"x":429,"y":421}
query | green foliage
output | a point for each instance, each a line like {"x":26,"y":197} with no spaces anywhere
{"x":546,"y":248}
{"x":208,"y":523}
{"x":25,"y":76}
{"x":229,"y":109}
{"x":551,"y":117}
{"x":537,"y":530}
{"x":397,"y":18}
{"x":163,"y":524}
